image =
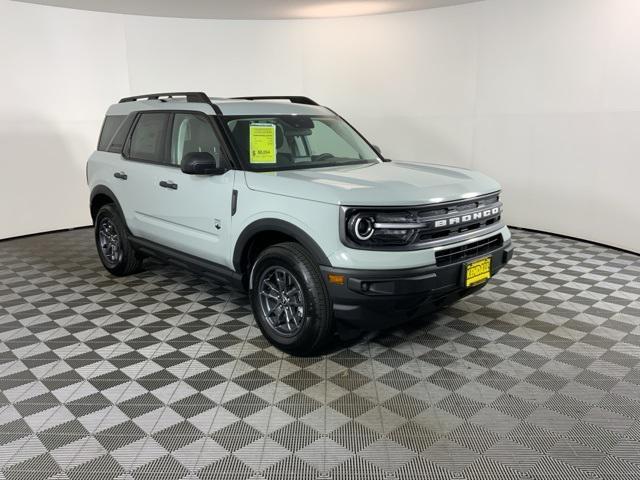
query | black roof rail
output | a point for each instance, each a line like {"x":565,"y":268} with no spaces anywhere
{"x":292,"y":99}
{"x":192,"y":97}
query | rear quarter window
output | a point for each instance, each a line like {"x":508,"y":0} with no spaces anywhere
{"x":109,"y":129}
{"x":117,"y":143}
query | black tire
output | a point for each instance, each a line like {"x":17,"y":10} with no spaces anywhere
{"x":316,"y":328}
{"x":126,"y":261}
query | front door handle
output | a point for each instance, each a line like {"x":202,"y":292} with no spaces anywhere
{"x":169,"y":184}
{"x":120,"y":175}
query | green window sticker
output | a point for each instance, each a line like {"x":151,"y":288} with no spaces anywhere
{"x":262,"y":143}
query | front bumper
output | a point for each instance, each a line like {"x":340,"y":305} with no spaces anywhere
{"x":377,"y":299}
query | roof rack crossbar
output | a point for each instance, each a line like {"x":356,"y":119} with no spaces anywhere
{"x":292,"y":99}
{"x":192,"y":97}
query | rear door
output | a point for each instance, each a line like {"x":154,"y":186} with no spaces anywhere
{"x":145,"y":154}
{"x":189,"y":213}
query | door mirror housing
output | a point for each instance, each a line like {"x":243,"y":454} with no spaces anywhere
{"x":200,"y":163}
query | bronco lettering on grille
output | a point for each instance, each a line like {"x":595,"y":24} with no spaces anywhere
{"x":467,"y":218}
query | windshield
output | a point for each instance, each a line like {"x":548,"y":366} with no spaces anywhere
{"x":286,"y":142}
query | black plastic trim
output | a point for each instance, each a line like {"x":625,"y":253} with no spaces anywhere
{"x":461,"y":253}
{"x":355,"y":277}
{"x":169,"y":185}
{"x":195,"y":264}
{"x":292,"y":98}
{"x":103,"y":190}
{"x":234,"y":202}
{"x":192,"y":97}
{"x":274,"y":224}
{"x":376,"y":299}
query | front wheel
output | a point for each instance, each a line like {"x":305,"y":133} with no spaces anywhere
{"x":115,"y":250}
{"x":289,"y":300}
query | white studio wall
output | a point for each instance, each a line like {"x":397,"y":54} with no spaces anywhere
{"x":543,"y":95}
{"x":59,"y":70}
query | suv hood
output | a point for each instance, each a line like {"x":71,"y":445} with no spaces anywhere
{"x":388,"y":184}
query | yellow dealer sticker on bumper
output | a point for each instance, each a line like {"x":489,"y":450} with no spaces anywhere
{"x":478,"y":271}
{"x":262,"y":143}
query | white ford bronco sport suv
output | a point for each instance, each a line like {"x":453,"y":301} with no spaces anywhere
{"x":282,"y":197}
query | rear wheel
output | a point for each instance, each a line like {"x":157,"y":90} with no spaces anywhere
{"x":289,"y":299}
{"x":115,"y":251}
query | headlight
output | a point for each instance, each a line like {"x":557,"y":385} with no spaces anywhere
{"x":367,"y":228}
{"x":361,"y":226}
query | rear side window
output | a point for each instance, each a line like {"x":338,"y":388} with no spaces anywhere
{"x":109,"y":128}
{"x":117,"y":143}
{"x":148,"y":138}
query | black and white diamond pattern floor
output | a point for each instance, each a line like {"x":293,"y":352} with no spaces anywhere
{"x":163,"y":375}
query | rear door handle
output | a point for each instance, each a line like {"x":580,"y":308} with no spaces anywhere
{"x":120,"y":175}
{"x":169,"y":184}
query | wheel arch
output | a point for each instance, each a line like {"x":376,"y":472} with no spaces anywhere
{"x":102,"y":195}
{"x":276,"y":230}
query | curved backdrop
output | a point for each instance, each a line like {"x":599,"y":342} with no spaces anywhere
{"x":544,"y":96}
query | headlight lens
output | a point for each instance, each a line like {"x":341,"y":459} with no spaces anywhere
{"x":361,"y":226}
{"x":380,"y":228}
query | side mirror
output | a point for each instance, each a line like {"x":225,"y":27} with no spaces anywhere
{"x":377,"y":149}
{"x":200,"y":163}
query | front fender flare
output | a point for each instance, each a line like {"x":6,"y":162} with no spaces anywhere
{"x":282,"y":226}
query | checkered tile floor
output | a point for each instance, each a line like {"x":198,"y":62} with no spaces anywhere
{"x":162,"y":375}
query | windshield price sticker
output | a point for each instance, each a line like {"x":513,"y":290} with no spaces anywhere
{"x":262,"y":143}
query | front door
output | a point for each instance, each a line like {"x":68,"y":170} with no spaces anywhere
{"x":189,"y":213}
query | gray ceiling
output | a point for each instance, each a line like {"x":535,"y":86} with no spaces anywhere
{"x":250,"y":9}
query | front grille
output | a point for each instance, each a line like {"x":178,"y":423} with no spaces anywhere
{"x":470,"y":250}
{"x":433,"y":232}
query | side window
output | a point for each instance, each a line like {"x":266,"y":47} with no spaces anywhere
{"x":109,"y":128}
{"x":193,"y":133}
{"x":120,"y":137}
{"x":148,"y":138}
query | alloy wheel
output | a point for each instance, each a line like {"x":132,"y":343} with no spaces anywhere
{"x":109,"y":240}
{"x":281,"y":300}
